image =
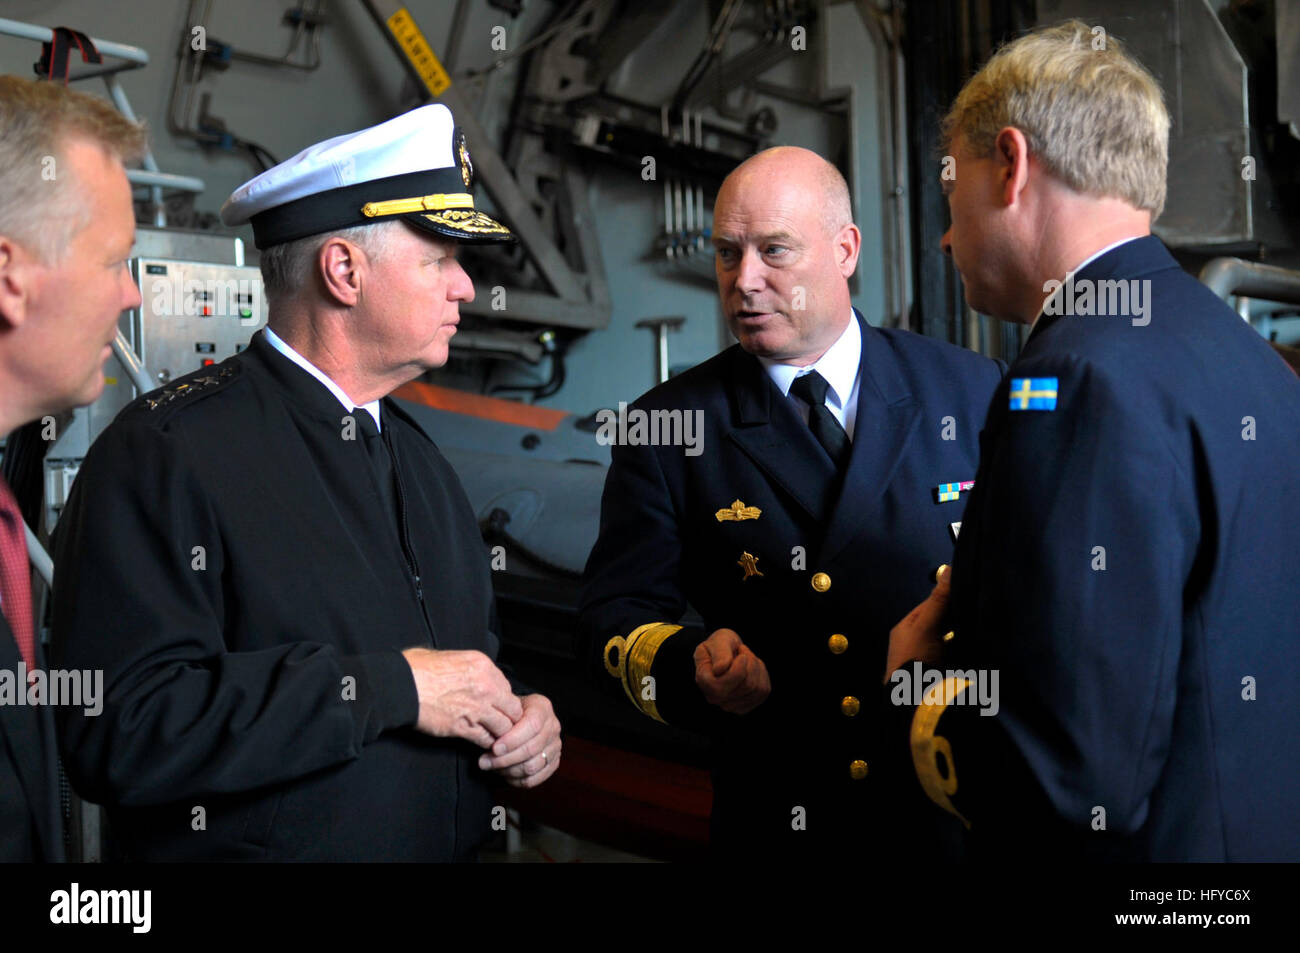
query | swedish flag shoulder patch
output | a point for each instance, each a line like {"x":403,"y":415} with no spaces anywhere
{"x":1033,"y":393}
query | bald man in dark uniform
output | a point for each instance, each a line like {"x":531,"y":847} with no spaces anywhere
{"x":825,"y":491}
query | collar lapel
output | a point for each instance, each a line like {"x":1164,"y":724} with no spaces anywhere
{"x":887,"y":417}
{"x":31,"y":739}
{"x":768,"y":430}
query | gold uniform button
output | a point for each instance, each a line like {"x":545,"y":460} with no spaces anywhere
{"x":850,"y":705}
{"x":821,"y":582}
{"x":837,"y":643}
{"x":858,"y":770}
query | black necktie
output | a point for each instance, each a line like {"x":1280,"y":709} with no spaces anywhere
{"x":811,"y":388}
{"x":388,"y":475}
{"x":380,"y":459}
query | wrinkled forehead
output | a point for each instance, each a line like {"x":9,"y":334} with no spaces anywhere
{"x":754,"y":207}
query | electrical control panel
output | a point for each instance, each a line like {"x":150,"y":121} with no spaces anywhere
{"x":193,"y":313}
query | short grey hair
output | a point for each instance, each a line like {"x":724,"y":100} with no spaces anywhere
{"x":287,"y":267}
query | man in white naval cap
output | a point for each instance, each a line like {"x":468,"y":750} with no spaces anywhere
{"x":320,"y":684}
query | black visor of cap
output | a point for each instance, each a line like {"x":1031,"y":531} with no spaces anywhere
{"x":341,"y":208}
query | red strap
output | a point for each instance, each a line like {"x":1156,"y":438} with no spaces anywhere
{"x":55,"y":58}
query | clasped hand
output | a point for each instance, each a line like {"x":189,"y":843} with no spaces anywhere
{"x":463,"y":694}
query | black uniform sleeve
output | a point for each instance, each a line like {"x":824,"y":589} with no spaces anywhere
{"x":633,"y":579}
{"x":138,"y":594}
{"x":1086,"y":540}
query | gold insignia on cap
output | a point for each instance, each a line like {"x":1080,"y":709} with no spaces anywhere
{"x":468,"y":221}
{"x":462,"y":156}
{"x":749,"y":564}
{"x":737,"y":511}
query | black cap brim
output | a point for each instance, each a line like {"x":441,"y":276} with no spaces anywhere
{"x":465,"y":225}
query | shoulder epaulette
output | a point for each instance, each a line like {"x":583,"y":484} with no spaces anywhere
{"x":190,"y":386}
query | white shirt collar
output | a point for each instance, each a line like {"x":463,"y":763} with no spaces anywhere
{"x":1097,"y":254}
{"x":276,"y":342}
{"x":839,"y":365}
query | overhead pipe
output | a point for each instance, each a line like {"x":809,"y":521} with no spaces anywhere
{"x":1235,"y":276}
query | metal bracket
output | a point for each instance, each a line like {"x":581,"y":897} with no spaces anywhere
{"x":578,"y":300}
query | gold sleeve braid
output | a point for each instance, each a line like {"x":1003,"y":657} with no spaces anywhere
{"x":634,"y":658}
{"x":926,"y":745}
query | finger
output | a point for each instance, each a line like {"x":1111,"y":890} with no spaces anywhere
{"x":707,"y":667}
{"x":747,"y":700}
{"x":928,"y":615}
{"x":703,"y":663}
{"x":524,"y":730}
{"x":508,"y":703}
{"x":494,"y":720}
{"x":736,"y":675}
{"x":532,"y":765}
{"x":474,"y":733}
{"x":512,"y":758}
{"x":730,"y":645}
{"x":534,"y":771}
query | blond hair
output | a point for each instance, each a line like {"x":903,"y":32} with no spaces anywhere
{"x":1091,"y":113}
{"x":39,"y":208}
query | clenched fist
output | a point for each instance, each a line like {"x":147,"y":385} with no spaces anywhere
{"x":729,"y":674}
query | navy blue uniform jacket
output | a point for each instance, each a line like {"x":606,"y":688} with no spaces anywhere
{"x":1128,"y":564}
{"x":877,"y":542}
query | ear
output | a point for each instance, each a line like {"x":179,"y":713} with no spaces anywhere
{"x":17,"y":271}
{"x":341,"y":264}
{"x":1011,"y":153}
{"x":848,"y":243}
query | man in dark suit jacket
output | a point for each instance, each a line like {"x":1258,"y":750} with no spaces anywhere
{"x":1126,"y":564}
{"x":798,"y":528}
{"x":63,"y":283}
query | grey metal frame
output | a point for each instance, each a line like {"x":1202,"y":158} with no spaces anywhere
{"x":580,"y":300}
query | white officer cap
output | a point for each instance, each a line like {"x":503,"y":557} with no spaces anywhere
{"x":415,"y":167}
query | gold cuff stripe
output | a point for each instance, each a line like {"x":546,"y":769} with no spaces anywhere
{"x":420,"y":203}
{"x":926,"y":745}
{"x":636,"y":657}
